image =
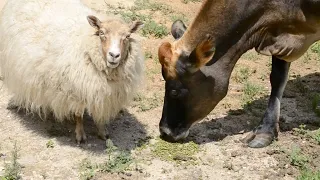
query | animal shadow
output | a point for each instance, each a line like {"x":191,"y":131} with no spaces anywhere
{"x":296,"y":109}
{"x":125,"y":131}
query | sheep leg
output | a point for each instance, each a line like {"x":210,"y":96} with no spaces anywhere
{"x":102,"y":132}
{"x":80,"y":134}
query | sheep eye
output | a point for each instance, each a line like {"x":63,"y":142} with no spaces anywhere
{"x":101,"y":33}
{"x":128,"y":36}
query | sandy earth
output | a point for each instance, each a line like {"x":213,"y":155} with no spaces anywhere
{"x":221,"y":155}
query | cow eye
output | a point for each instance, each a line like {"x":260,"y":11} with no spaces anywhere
{"x":174,"y":93}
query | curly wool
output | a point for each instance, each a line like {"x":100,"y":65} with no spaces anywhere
{"x":51,"y":61}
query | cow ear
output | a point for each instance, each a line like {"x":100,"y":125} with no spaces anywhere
{"x":202,"y":54}
{"x":165,"y":56}
{"x":177,"y":29}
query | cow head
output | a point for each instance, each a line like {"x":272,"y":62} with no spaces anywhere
{"x":187,"y":89}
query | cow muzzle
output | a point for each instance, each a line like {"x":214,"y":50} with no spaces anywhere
{"x":173,"y":136}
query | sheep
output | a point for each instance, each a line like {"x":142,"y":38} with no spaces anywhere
{"x":63,"y":58}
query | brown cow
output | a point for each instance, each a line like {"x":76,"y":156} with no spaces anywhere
{"x":198,"y":65}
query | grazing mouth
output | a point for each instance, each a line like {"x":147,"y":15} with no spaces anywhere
{"x":166,"y":135}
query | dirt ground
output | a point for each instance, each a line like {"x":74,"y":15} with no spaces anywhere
{"x":47,"y":149}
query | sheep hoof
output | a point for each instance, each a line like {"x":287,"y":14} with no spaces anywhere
{"x":81,"y":137}
{"x":104,"y":136}
{"x":102,"y":132}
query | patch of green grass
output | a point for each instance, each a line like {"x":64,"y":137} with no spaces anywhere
{"x":142,"y":143}
{"x":144,"y":103}
{"x":315,"y":48}
{"x":50,"y":144}
{"x":307,"y":57}
{"x":242,"y":75}
{"x":301,"y":130}
{"x":12,"y":169}
{"x":148,"y":55}
{"x":309,"y":175}
{"x":154,"y":29}
{"x":181,"y":17}
{"x":297,"y":158}
{"x":316,"y":136}
{"x":250,"y":55}
{"x":187,"y":1}
{"x":150,"y":26}
{"x":129,"y":16}
{"x":118,"y":162}
{"x":176,"y":152}
{"x":250,"y":91}
{"x":87,"y":169}
{"x":153,"y":6}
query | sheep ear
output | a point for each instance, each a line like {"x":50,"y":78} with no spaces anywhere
{"x":94,"y":22}
{"x":136,"y":25}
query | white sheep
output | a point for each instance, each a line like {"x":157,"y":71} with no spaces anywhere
{"x":52,"y":60}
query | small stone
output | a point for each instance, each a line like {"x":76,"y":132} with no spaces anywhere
{"x":273,"y":151}
{"x":235,"y":153}
{"x":290,"y":171}
{"x":236,"y":168}
{"x":152,"y":141}
{"x":228,"y":165}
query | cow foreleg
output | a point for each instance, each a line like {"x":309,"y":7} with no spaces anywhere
{"x":267,"y":131}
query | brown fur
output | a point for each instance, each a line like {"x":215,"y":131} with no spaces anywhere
{"x":118,"y":30}
{"x":284,"y":35}
{"x":168,"y":56}
{"x":204,"y":52}
{"x":279,"y":28}
{"x":166,"y":60}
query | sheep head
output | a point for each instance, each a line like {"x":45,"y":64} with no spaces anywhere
{"x":115,"y":38}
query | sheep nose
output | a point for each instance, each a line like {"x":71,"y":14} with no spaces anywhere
{"x":114,"y":55}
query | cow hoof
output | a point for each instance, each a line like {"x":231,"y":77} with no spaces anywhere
{"x":259,"y":140}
